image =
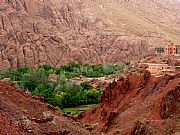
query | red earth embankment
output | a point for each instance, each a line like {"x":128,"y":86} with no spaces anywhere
{"x":140,"y":104}
{"x":22,"y":114}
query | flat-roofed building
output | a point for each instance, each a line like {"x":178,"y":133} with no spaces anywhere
{"x":170,"y":49}
{"x":157,"y":68}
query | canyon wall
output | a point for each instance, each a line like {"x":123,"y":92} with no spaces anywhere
{"x":34,"y":32}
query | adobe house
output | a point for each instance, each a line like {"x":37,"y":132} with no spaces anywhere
{"x":155,"y":68}
{"x":170,"y":49}
{"x":77,"y":80}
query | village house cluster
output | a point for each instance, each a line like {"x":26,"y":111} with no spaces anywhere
{"x":162,"y":68}
{"x":169,"y":49}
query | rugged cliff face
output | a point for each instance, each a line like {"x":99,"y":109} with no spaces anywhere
{"x":139,"y":104}
{"x":34,"y":32}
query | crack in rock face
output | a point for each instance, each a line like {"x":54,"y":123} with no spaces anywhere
{"x":54,"y":32}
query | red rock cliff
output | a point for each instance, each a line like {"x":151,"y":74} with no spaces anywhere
{"x":136,"y":105}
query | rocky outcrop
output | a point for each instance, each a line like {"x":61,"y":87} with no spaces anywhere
{"x":171,"y":103}
{"x":140,"y":129}
{"x":34,"y":32}
{"x":137,"y":104}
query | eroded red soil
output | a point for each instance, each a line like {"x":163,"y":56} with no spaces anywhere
{"x":140,"y":104}
{"x":22,"y":114}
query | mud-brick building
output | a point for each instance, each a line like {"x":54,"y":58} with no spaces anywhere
{"x":172,"y":49}
{"x":159,"y":68}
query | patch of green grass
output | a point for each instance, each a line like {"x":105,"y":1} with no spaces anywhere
{"x":77,"y":110}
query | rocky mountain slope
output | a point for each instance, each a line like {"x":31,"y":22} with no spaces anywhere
{"x":139,"y":104}
{"x":34,"y":32}
{"x":149,"y":18}
{"x":22,"y":114}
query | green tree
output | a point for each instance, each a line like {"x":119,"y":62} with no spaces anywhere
{"x":86,"y":86}
{"x":31,"y":80}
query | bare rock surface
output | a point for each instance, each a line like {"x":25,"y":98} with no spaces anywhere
{"x":149,"y":18}
{"x":34,"y":32}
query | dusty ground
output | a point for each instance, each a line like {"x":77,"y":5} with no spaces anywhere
{"x":22,"y":114}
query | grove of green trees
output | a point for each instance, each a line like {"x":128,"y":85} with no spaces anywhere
{"x":61,"y":92}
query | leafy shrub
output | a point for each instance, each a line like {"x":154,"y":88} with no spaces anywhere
{"x":61,"y":93}
{"x":31,"y":80}
{"x":46,"y":67}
